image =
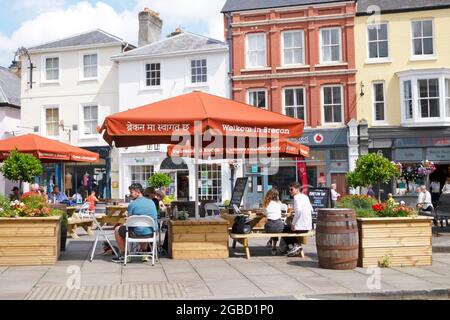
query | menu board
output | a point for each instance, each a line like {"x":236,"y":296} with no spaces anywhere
{"x":319,"y":198}
{"x":238,"y":191}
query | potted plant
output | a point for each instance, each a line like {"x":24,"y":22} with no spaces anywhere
{"x":386,"y":229}
{"x":21,"y":167}
{"x":31,"y":232}
{"x":159,"y":180}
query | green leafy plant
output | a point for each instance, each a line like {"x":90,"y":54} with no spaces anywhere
{"x":372,"y":169}
{"x":386,"y":261}
{"x":21,"y":167}
{"x":32,"y":206}
{"x":361,"y":203}
{"x":226,"y":203}
{"x":168,"y":199}
{"x":159,"y":180}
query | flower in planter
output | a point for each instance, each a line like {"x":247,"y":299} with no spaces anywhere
{"x":379,"y":207}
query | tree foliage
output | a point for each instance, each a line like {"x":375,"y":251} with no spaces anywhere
{"x":372,"y":169}
{"x":159,"y":180}
{"x":21,"y":167}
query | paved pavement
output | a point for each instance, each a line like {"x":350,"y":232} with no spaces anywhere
{"x":262,"y":277}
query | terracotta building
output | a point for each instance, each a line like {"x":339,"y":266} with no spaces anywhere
{"x":297,"y":57}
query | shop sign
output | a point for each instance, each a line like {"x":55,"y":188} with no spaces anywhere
{"x":438,"y":154}
{"x":408,"y":154}
{"x":141,"y":160}
{"x":324,"y":137}
{"x":339,"y":166}
{"x":423,"y":142}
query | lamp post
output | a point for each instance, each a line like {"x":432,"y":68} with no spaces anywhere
{"x":15,"y":64}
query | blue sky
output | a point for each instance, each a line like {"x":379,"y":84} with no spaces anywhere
{"x":31,"y":22}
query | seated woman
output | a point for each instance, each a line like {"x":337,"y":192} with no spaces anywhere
{"x":272,"y":211}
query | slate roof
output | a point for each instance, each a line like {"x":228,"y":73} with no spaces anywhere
{"x":9,"y":88}
{"x":387,"y":6}
{"x":94,"y":37}
{"x":182,"y":42}
{"x":241,"y":5}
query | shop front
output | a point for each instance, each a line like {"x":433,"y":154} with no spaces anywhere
{"x":328,"y":163}
{"x":412,"y":147}
{"x":85,"y":177}
{"x":213,"y":176}
{"x":329,"y":159}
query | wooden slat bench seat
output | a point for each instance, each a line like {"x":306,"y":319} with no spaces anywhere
{"x":74,"y":222}
{"x":260,"y":234}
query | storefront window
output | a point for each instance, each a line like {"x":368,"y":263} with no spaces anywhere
{"x":210,"y":178}
{"x":140,"y":174}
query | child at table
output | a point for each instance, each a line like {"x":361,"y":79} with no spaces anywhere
{"x":92,"y":199}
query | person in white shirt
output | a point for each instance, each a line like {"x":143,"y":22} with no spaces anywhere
{"x":427,"y":205}
{"x":272,"y":210}
{"x":435,"y":191}
{"x":420,"y":197}
{"x":302,"y":222}
{"x":334,"y":195}
{"x":446,"y":188}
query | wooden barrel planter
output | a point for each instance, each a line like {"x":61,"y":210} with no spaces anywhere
{"x":337,"y":239}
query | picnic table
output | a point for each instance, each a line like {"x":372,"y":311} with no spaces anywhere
{"x":115,"y":214}
{"x":73,"y":222}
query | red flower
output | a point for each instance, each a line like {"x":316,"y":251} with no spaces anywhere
{"x":378,"y":207}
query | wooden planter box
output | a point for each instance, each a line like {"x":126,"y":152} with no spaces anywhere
{"x":29,"y":241}
{"x":198,"y":239}
{"x":408,"y":241}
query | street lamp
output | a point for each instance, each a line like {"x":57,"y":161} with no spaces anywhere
{"x":16,"y":64}
{"x":68,"y":129}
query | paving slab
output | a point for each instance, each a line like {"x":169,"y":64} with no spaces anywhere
{"x":93,"y":279}
{"x":279,"y":284}
{"x":143,"y":276}
{"x":323,"y":285}
{"x":407,"y":282}
{"x":183,"y":277}
{"x":234,"y":287}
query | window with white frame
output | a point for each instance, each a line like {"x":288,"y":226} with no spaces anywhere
{"x":153,"y":74}
{"x":332,"y":104}
{"x":52,"y":121}
{"x":408,"y":99}
{"x":258,"y":98}
{"x":428,"y":97}
{"x":378,"y":41}
{"x":90,"y":65}
{"x":90,"y":119}
{"x":378,"y":101}
{"x":256,"y":50}
{"x":52,"y":69}
{"x":422,"y":37}
{"x":447,"y":97}
{"x":199,"y":71}
{"x":294,"y":102}
{"x":293,"y":47}
{"x":330,"y":45}
{"x":140,"y":174}
{"x":210,"y":178}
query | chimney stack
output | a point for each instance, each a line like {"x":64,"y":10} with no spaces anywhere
{"x":150,"y":26}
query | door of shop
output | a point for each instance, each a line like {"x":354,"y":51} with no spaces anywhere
{"x":255,"y":191}
{"x":339,"y":180}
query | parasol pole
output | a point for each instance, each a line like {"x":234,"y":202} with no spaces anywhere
{"x":197,"y":130}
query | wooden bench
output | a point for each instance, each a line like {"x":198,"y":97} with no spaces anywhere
{"x":73,"y":222}
{"x":259,"y":233}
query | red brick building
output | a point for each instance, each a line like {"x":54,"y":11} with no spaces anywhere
{"x":297,"y":57}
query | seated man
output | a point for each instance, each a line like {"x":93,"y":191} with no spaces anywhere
{"x":139,"y":206}
{"x":57,"y":196}
{"x":302,"y":221}
{"x":426,"y":204}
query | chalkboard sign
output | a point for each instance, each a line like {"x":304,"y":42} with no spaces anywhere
{"x":238,"y":191}
{"x":319,"y":198}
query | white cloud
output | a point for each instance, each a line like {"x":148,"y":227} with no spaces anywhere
{"x":57,"y":22}
{"x":39,"y":6}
